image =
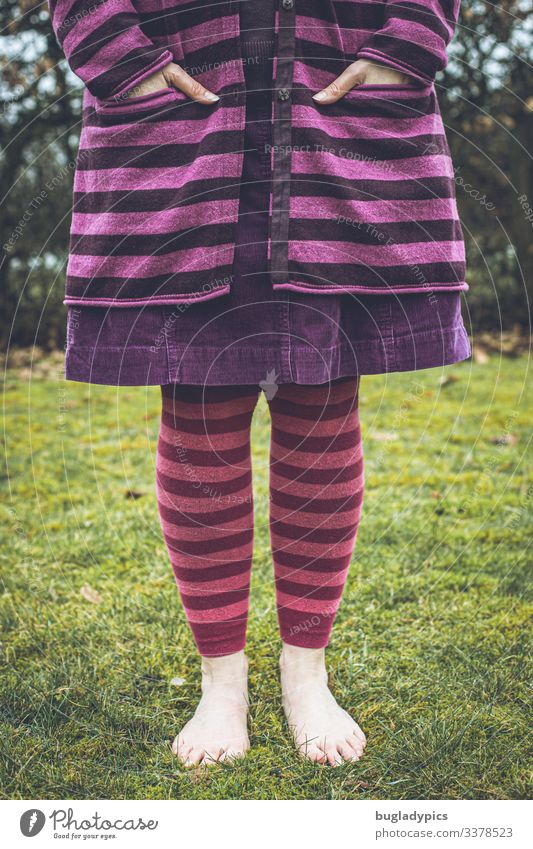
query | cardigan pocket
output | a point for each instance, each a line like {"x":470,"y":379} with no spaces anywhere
{"x":421,"y":98}
{"x":153,"y":218}
{"x":393,"y":88}
{"x":122,"y":105}
{"x":385,"y":132}
{"x":372,"y":193}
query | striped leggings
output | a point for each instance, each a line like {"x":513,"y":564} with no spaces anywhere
{"x":204,"y":491}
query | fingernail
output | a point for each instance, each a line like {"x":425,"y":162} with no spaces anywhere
{"x":321,"y":95}
{"x":212,"y":97}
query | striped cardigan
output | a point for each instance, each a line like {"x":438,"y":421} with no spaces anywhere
{"x":362,"y":196}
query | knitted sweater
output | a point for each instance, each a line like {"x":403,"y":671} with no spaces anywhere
{"x":362,"y":191}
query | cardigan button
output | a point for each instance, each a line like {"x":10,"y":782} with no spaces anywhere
{"x":284,"y":94}
{"x":288,"y":4}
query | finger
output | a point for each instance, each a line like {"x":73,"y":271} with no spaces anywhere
{"x":383,"y":75}
{"x":339,"y":87}
{"x":151,"y":84}
{"x":176,"y":76}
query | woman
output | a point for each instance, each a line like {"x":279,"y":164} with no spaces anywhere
{"x":263,"y":201}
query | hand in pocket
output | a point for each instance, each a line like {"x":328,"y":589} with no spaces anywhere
{"x":173,"y":75}
{"x":358,"y":73}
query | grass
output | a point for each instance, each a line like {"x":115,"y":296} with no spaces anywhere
{"x":430,"y":646}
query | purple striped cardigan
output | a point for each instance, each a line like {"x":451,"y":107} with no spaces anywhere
{"x":362,"y":196}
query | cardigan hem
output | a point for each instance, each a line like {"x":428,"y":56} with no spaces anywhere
{"x":432,"y":289}
{"x":140,"y":302}
{"x":290,"y":287}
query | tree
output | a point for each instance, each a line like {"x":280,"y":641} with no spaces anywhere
{"x":487,"y":106}
{"x":39,"y":119}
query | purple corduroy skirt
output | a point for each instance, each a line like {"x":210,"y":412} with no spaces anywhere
{"x":255,"y":334}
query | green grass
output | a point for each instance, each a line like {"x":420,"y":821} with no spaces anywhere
{"x":430,"y":647}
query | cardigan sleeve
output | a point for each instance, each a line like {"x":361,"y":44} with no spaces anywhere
{"x":105,"y":45}
{"x":414,"y":37}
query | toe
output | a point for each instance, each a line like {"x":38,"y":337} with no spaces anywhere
{"x":358,"y":738}
{"x":356,"y":746}
{"x":312,"y":752}
{"x":360,"y":734}
{"x":195,"y":757}
{"x":332,"y":755}
{"x":232,"y":754}
{"x":181,"y":748}
{"x":212,"y":756}
{"x":183,"y":754}
{"x":347,"y":751}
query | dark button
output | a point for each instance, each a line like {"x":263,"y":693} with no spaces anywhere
{"x":288,"y":4}
{"x":284,"y":94}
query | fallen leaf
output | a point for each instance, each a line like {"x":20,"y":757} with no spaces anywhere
{"x":446,"y":379}
{"x":385,"y":435}
{"x":504,"y":439}
{"x":197,"y":774}
{"x":480,"y":355}
{"x":91,"y":595}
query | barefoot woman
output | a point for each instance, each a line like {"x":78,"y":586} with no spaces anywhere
{"x":263,"y":201}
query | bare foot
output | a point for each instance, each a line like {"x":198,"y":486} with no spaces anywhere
{"x":218,"y":730}
{"x":322,"y":730}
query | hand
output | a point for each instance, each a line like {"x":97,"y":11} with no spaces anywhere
{"x":174,"y":75}
{"x":356,"y":74}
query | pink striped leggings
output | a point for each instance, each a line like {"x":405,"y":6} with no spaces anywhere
{"x":204,"y":491}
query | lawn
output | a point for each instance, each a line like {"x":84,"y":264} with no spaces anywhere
{"x":430,"y":647}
